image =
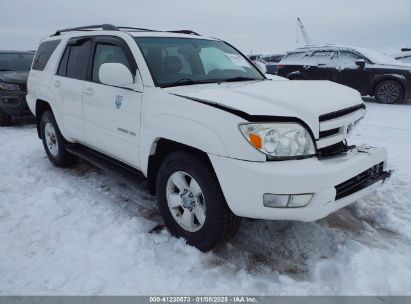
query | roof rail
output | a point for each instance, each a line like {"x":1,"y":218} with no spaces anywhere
{"x":104,"y":27}
{"x":135,"y":28}
{"x":110,"y":27}
{"x":184,"y":32}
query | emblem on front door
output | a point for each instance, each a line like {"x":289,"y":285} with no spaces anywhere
{"x":118,"y":101}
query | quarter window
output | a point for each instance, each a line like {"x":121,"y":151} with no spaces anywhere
{"x":43,"y":54}
{"x":107,"y":53}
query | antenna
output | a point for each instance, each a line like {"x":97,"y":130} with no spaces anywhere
{"x":303,"y":32}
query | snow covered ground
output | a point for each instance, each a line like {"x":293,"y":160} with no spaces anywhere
{"x":80,"y":231}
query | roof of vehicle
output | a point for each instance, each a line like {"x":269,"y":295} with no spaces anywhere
{"x":135,"y":32}
{"x":373,"y":56}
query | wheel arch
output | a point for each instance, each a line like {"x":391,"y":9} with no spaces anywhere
{"x":41,"y":107}
{"x":162,"y":147}
{"x":393,"y":77}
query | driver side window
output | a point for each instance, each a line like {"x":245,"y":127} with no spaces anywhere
{"x":107,"y":53}
{"x":347,"y":58}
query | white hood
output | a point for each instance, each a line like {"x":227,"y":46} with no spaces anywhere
{"x":306,"y":100}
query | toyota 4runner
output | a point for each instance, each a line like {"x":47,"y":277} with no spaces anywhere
{"x":215,"y":139}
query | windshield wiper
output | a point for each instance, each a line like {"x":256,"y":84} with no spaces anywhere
{"x":185,"y":81}
{"x":239,"y":78}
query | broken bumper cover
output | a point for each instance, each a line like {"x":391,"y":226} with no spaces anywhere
{"x":334,"y":183}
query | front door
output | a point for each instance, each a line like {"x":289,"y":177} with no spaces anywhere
{"x":348,"y":72}
{"x":112,"y":114}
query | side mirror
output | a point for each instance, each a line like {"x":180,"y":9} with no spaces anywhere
{"x":261,"y":67}
{"x":360,"y":63}
{"x":116,"y":74}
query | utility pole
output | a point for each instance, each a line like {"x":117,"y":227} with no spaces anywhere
{"x":303,"y":32}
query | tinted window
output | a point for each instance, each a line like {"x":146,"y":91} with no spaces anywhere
{"x":322,"y":57}
{"x":293,"y":58}
{"x":44,"y":53}
{"x":348,"y":58}
{"x":15,"y":61}
{"x":106,"y":53}
{"x":275,"y":58}
{"x":78,"y":60}
{"x":62,"y":71}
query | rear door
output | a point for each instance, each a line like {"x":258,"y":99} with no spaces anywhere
{"x":321,"y":65}
{"x":112,"y":114}
{"x":293,"y":65}
{"x":67,"y":85}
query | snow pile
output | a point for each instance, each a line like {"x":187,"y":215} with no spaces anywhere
{"x":79,"y":231}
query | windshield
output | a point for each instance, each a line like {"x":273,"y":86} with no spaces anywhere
{"x":18,"y":62}
{"x":184,"y":61}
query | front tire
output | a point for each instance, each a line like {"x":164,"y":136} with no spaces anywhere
{"x":5,"y":119}
{"x":388,"y":91}
{"x":191,"y":202}
{"x":54,"y":143}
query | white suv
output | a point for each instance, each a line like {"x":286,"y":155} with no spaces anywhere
{"x":215,"y":139}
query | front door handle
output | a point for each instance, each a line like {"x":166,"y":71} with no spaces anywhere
{"x":89,"y":92}
{"x":57,"y":84}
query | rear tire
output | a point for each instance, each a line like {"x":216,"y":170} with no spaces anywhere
{"x":5,"y":119}
{"x":54,"y":143}
{"x":191,"y":202}
{"x":389,"y":91}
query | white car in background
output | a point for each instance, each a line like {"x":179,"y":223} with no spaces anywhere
{"x":215,"y":139}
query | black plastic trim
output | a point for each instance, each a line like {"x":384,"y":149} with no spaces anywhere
{"x":340,"y":113}
{"x":362,"y":181}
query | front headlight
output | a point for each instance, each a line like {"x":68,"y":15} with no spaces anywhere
{"x":279,"y":140}
{"x":9,"y":86}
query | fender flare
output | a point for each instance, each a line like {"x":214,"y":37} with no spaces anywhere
{"x":180,"y":130}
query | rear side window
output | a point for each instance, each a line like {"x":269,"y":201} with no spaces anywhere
{"x":74,"y":62}
{"x":78,"y":60}
{"x":43,"y":54}
{"x":293,"y":58}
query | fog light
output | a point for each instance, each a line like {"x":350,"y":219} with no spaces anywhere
{"x":286,"y":200}
{"x":299,"y":200}
{"x":275,"y":200}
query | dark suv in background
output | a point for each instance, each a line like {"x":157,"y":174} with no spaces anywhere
{"x":370,"y":72}
{"x":14,"y":69}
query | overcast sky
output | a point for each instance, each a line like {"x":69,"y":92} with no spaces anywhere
{"x":253,"y":26}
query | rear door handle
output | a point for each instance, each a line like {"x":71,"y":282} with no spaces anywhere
{"x":89,"y":91}
{"x":57,"y":84}
{"x":307,"y":67}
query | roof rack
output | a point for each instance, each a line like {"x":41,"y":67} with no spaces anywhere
{"x":184,"y":32}
{"x":110,"y":27}
{"x":104,"y":27}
